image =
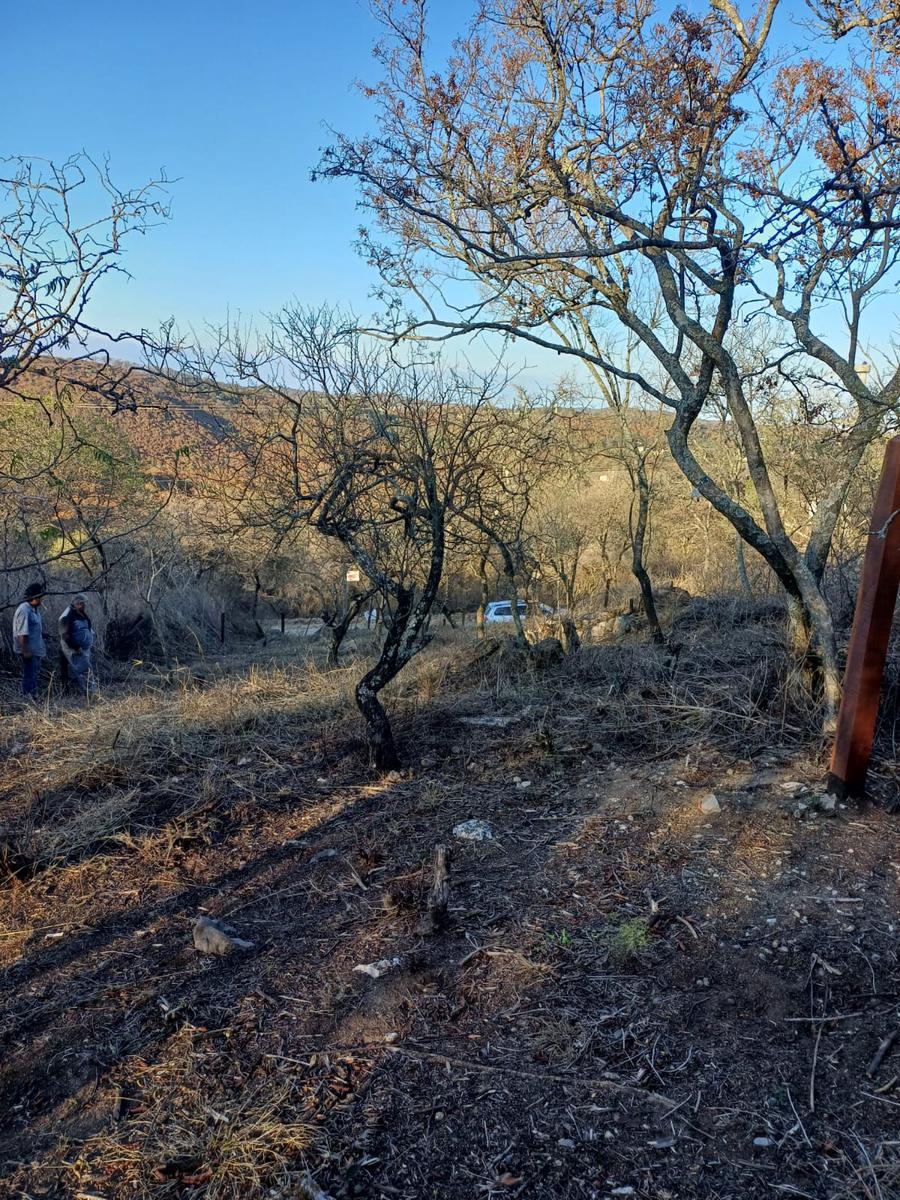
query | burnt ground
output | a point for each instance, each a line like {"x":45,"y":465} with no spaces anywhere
{"x":633,"y":997}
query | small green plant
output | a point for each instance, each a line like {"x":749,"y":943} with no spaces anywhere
{"x":561,"y":939}
{"x":629,"y":938}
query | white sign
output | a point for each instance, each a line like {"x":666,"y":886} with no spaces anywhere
{"x":354,"y":575}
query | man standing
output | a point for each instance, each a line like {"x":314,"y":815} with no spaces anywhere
{"x":28,"y":637}
{"x":76,"y":636}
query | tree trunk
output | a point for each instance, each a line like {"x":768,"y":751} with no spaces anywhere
{"x":790,"y":567}
{"x":516,"y":615}
{"x":743,"y":580}
{"x":479,"y":615}
{"x":339,"y":628}
{"x":813,"y":643}
{"x":639,"y":570}
{"x":383,"y":754}
{"x":406,"y":635}
{"x":257,"y":588}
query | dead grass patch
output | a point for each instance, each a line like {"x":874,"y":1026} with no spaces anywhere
{"x":189,"y":1131}
{"x":97,"y":819}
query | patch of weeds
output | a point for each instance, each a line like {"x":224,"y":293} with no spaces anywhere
{"x":627,"y":939}
{"x":431,"y":795}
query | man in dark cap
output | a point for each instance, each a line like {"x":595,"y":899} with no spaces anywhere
{"x":28,"y":638}
{"x":76,"y":637}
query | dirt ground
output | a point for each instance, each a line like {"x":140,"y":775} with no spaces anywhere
{"x":634,"y":997}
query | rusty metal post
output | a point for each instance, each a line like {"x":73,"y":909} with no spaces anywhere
{"x":870,"y":636}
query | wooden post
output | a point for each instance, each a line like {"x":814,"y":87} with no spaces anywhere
{"x":870,"y":636}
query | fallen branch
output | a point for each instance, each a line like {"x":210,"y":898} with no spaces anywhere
{"x":609,"y":1085}
{"x":882,"y":1052}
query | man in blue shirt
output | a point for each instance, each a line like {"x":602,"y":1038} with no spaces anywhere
{"x":76,"y":637}
{"x":28,"y":637}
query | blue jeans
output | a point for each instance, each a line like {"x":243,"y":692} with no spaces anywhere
{"x":81,"y":675}
{"x":31,"y":670}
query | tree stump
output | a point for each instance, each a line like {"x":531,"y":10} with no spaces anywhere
{"x":436,"y":918}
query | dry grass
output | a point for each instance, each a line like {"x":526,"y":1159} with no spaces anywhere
{"x":112,"y":772}
{"x":188,"y":1132}
{"x":876,"y":1176}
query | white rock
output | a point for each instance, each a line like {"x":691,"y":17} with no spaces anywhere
{"x":473,"y":830}
{"x":213,"y":937}
{"x":376,"y":969}
{"x":710,"y":804}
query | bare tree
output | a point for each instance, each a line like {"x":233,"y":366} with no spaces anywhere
{"x":63,"y":228}
{"x":603,"y":163}
{"x":332,"y":433}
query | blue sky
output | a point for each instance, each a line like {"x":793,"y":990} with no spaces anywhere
{"x":232,"y":99}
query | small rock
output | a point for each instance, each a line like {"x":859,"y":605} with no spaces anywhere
{"x":763,"y":1143}
{"x":827,"y":803}
{"x":791,"y":786}
{"x":622,"y":1191}
{"x":710,"y":804}
{"x":393,"y":777}
{"x":376,"y":969}
{"x":322,"y":855}
{"x":566,"y":1143}
{"x":523,"y":784}
{"x":214,"y":937}
{"x":474,"y":830}
{"x":392,"y":1037}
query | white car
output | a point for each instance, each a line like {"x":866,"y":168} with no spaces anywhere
{"x":501,"y":610}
